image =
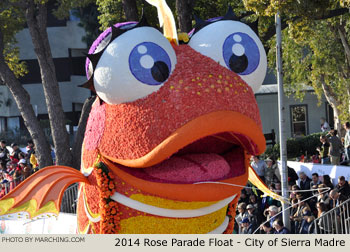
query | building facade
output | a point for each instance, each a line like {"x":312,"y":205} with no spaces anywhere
{"x":67,"y":50}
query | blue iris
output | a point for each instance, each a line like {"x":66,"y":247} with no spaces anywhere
{"x":149,"y":63}
{"x":241,"y":54}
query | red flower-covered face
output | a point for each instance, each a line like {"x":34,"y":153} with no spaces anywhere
{"x":172,"y":116}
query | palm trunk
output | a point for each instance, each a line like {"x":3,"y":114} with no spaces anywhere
{"x":36,"y":15}
{"x":332,"y":100}
{"x":22,"y":99}
{"x":81,"y":131}
{"x":184,"y":14}
{"x":130,"y":10}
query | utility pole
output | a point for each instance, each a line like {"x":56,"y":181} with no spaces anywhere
{"x":282,"y":132}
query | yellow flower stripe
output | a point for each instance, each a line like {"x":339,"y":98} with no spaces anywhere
{"x":170,"y":204}
{"x":157,"y":225}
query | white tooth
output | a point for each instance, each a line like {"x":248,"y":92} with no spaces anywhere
{"x":183,"y":213}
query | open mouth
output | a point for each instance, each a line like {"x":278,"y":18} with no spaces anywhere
{"x":212,"y":148}
{"x":212,"y":158}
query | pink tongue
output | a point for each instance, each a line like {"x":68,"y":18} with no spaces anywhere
{"x":190,"y":168}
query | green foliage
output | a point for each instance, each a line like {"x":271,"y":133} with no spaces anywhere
{"x":88,"y":16}
{"x":112,"y":12}
{"x":11,"y":21}
{"x":296,"y":147}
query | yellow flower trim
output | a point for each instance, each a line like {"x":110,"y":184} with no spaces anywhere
{"x":157,"y":225}
{"x":29,"y":207}
{"x":6,"y":204}
{"x":170,"y":204}
{"x":182,"y":36}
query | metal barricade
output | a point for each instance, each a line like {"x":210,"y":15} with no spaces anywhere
{"x":10,"y":185}
{"x":335,"y":221}
{"x":69,"y":199}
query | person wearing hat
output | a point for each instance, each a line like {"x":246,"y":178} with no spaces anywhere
{"x":272,"y":214}
{"x":271,"y":172}
{"x":24,"y":167}
{"x":253,"y":215}
{"x":246,"y":226}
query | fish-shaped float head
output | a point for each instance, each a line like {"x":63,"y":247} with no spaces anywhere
{"x":173,"y":126}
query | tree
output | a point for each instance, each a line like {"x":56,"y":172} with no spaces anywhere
{"x":11,"y":19}
{"x":315,"y":47}
{"x":184,"y":9}
{"x":14,"y":14}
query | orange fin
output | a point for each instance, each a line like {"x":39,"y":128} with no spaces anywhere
{"x":255,"y":180}
{"x":41,"y":193}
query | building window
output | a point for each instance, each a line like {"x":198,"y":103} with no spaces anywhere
{"x":299,"y":120}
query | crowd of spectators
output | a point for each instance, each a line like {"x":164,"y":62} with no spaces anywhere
{"x":309,"y":198}
{"x":334,"y":150}
{"x":15,"y":165}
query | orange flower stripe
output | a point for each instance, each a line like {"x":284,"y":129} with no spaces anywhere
{"x":110,"y":214}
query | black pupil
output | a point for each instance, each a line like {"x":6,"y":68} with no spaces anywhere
{"x":238,"y":64}
{"x":160,"y":71}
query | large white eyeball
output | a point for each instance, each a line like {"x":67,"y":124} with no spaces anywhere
{"x":235,"y":46}
{"x":134,"y":65}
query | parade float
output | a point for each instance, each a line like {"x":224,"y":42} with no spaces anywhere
{"x":169,"y":136}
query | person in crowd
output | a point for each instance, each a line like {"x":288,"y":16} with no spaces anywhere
{"x":327,"y":181}
{"x":324,"y":125}
{"x":336,"y":198}
{"x":253,"y":216}
{"x":343,"y":187}
{"x":298,"y":216}
{"x":278,"y":188}
{"x":272,"y":214}
{"x":279,"y":227}
{"x":347,"y":143}
{"x":306,"y":222}
{"x":324,"y":224}
{"x":10,"y":171}
{"x":293,"y":210}
{"x":305,"y":184}
{"x":323,"y":196}
{"x":25,"y":168}
{"x":30,"y":150}
{"x":3,"y":188}
{"x":244,"y":197}
{"x":271,"y":173}
{"x":242,"y":213}
{"x":246,"y":226}
{"x":266,"y":227}
{"x":270,"y":201}
{"x":17,"y":176}
{"x":4,"y":152}
{"x":315,"y":179}
{"x":253,"y":200}
{"x":34,"y":162}
{"x":324,"y":150}
{"x":335,"y":147}
{"x":15,"y":152}
{"x":292,"y":176}
{"x":259,"y":167}
{"x":21,"y":155}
